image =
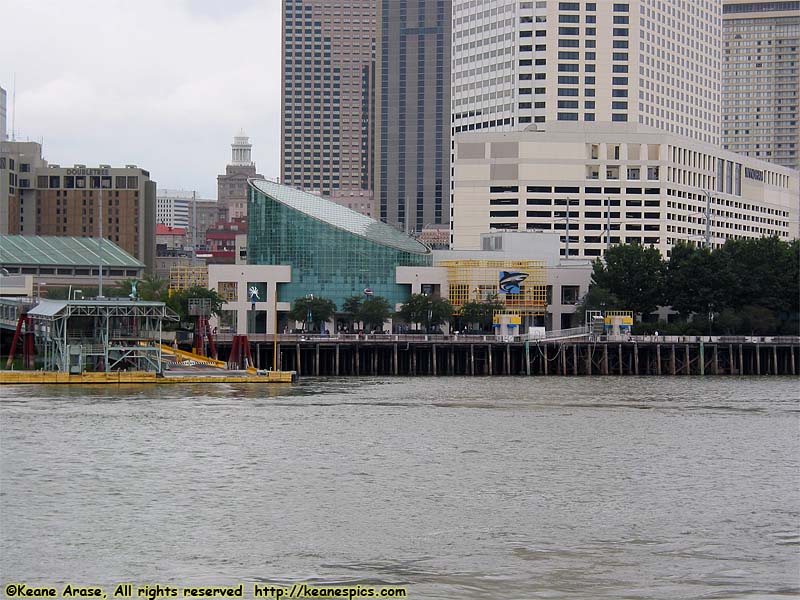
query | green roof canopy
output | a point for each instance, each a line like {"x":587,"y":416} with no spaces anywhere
{"x":340,"y":216}
{"x":62,"y":251}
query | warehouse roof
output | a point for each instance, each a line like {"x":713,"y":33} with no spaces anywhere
{"x":62,"y":251}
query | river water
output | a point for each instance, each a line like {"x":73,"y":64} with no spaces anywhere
{"x":505,"y":488}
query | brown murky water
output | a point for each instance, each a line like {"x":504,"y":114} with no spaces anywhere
{"x":454,"y":487}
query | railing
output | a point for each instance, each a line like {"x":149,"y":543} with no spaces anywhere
{"x":549,"y":336}
{"x":555,"y":334}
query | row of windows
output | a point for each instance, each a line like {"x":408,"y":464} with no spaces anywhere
{"x":546,"y":189}
{"x":592,"y":6}
{"x":655,"y":203}
{"x":95,"y":182}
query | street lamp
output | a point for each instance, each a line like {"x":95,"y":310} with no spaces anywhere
{"x":39,"y":286}
{"x":566,"y":218}
{"x":309,"y":297}
{"x":75,"y":293}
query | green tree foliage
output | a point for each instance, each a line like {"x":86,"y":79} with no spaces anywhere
{"x":746,"y":287}
{"x":352,"y":306}
{"x":153,"y":288}
{"x":62,"y":293}
{"x":634,"y":274}
{"x":320,"y":310}
{"x":763,"y":272}
{"x":373,"y":312}
{"x":481,"y":313}
{"x":597,"y":298}
{"x":696,"y":280}
{"x":426,"y":310}
{"x":179,"y":301}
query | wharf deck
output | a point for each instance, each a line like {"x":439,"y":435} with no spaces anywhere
{"x":488,"y":355}
{"x":141,"y":377}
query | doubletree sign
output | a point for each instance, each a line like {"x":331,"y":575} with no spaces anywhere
{"x":756,"y":174}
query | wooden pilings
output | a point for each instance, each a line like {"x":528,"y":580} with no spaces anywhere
{"x":566,"y":358}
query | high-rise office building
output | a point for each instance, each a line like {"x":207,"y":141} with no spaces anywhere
{"x":44,"y":199}
{"x":232,"y":186}
{"x":328,"y":98}
{"x":183,"y":210}
{"x":761,"y":80}
{"x":601,"y":121}
{"x":520,"y":64}
{"x":412,"y":129}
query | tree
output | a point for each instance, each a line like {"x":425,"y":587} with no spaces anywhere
{"x":764,"y":272}
{"x":374,"y":311}
{"x":634,"y":274}
{"x":352,"y":308}
{"x":352,"y":305}
{"x":318,"y":309}
{"x":153,"y":288}
{"x":481,"y":313}
{"x":693,"y":280}
{"x":426,"y":310}
{"x":597,"y":298}
{"x":179,"y":301}
{"x":62,"y":293}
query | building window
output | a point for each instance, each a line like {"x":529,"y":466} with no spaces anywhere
{"x":570,"y":294}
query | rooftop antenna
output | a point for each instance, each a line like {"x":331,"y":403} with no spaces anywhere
{"x":100,"y":244}
{"x":14,"y":110}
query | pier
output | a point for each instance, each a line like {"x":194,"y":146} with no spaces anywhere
{"x":476,"y":355}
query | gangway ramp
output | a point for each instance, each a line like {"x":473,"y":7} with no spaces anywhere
{"x":182,"y":355}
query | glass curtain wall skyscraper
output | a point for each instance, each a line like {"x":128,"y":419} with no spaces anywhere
{"x":328,"y":95}
{"x":413,"y":112}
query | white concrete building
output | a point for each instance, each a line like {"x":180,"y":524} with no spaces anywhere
{"x":653,"y":182}
{"x":173,"y":208}
{"x":521,"y":63}
{"x":233,"y":282}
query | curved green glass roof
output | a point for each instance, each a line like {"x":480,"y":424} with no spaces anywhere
{"x":339,"y":216}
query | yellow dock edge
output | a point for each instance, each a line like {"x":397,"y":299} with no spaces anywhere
{"x":23,"y":377}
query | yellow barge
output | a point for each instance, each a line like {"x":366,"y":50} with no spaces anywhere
{"x":49,"y":377}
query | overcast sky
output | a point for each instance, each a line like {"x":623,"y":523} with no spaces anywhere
{"x":162,"y":84}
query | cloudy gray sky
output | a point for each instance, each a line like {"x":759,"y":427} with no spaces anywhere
{"x":163,"y":84}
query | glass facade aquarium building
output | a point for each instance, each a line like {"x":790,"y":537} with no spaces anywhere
{"x":334,"y":252}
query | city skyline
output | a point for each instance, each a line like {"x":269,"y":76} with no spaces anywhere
{"x":126,"y":104}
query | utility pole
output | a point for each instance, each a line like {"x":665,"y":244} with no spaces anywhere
{"x":14,"y":111}
{"x":100,"y":242}
{"x":608,"y":223}
{"x":568,"y":203}
{"x":708,"y":219}
{"x":194,"y":228}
